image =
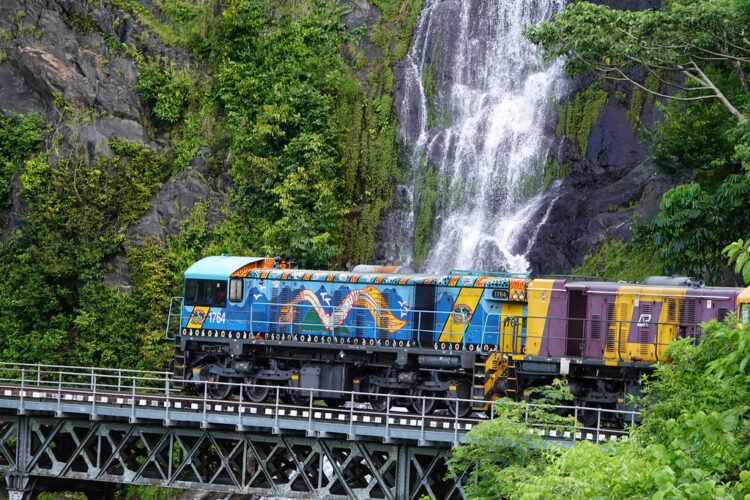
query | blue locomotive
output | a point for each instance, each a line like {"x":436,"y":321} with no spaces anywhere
{"x":259,"y":322}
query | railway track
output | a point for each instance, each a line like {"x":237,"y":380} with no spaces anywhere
{"x":100,"y":397}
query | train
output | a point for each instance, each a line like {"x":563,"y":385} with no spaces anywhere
{"x":460,"y":340}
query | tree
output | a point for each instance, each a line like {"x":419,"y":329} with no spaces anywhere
{"x":681,"y":45}
{"x":693,"y":441}
{"x":739,"y":254}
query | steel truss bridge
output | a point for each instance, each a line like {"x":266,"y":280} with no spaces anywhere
{"x":96,"y":428}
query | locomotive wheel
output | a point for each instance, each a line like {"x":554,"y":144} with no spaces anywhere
{"x":588,"y":417}
{"x":299,"y":397}
{"x":219,"y":391}
{"x":460,"y":408}
{"x":379,"y":403}
{"x":419,"y":405}
{"x":334,"y":402}
{"x":254,"y":393}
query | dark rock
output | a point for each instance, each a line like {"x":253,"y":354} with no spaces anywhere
{"x":173,"y":204}
{"x":15,"y":95}
{"x":612,"y":141}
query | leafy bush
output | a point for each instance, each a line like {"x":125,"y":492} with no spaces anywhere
{"x":19,"y":136}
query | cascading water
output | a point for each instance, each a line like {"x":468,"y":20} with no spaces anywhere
{"x":472,"y":110}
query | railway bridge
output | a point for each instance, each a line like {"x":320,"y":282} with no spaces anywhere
{"x":94,"y":428}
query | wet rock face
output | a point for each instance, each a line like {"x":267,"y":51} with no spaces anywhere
{"x":50,"y":66}
{"x":611,"y":185}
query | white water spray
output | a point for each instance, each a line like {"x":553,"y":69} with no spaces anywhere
{"x":475,"y":104}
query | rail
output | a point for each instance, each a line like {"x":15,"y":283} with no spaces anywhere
{"x":141,"y":395}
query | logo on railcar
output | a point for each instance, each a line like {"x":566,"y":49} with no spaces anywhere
{"x":198,"y":317}
{"x":461,"y":314}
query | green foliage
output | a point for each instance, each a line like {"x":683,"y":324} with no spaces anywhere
{"x":19,"y":136}
{"x":578,"y":116}
{"x":685,"y":39}
{"x":133,"y":492}
{"x":693,"y":442}
{"x":293,"y":111}
{"x":693,"y":137}
{"x":167,"y":90}
{"x":403,"y":14}
{"x":616,"y":260}
{"x":738,"y":253}
{"x":640,"y":97}
{"x":501,"y":453}
{"x":555,"y":170}
{"x":57,"y":308}
{"x":695,"y":224}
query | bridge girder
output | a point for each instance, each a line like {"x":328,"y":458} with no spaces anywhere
{"x":254,"y":463}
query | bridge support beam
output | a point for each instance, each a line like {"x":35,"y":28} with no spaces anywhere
{"x":250,"y":463}
{"x":19,"y":487}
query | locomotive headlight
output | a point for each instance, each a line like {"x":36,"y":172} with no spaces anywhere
{"x":515,"y":295}
{"x":520,"y":296}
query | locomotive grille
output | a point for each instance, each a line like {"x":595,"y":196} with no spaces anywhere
{"x":612,"y":327}
{"x":275,"y":311}
{"x":644,"y":330}
{"x":596,"y":326}
{"x":296,"y":319}
{"x":687,"y":312}
{"x":624,"y":327}
{"x":672,"y":310}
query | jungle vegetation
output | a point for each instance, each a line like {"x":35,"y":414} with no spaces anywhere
{"x":291,"y":110}
{"x":693,"y":441}
{"x":695,"y":54}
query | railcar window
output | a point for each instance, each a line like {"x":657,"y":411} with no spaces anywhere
{"x":745,"y":313}
{"x":235,"y":289}
{"x":206,"y":293}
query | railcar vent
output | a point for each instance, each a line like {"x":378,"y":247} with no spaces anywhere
{"x":624,"y":327}
{"x":671,"y":310}
{"x":687,"y":312}
{"x":383,"y":305}
{"x":286,"y":298}
{"x":596,"y":326}
{"x":723,"y":314}
{"x":275,"y":311}
{"x":644,"y":331}
{"x":612,"y":327}
{"x":295,"y":315}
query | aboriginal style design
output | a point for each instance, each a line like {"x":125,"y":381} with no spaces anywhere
{"x":369,"y":297}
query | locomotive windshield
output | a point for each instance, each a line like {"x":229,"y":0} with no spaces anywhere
{"x":744,"y":314}
{"x":205,"y":293}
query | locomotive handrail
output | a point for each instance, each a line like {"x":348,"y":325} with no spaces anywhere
{"x":552,"y":331}
{"x":170,"y":315}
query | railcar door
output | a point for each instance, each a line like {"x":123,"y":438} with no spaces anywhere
{"x":576,"y":323}
{"x":424,"y":304}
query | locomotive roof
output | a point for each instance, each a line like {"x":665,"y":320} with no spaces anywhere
{"x":222,"y":267}
{"x":218,"y":266}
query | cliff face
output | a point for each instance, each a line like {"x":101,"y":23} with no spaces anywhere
{"x":64,"y":60}
{"x":611,"y":186}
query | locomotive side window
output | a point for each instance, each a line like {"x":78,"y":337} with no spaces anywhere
{"x":235,"y":289}
{"x":744,"y":314}
{"x":205,"y":293}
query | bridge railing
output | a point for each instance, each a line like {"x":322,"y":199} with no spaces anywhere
{"x":92,"y":388}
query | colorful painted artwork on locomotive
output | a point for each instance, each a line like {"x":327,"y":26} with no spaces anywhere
{"x":262,"y":299}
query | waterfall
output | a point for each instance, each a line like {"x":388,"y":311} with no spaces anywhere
{"x":474,"y":109}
